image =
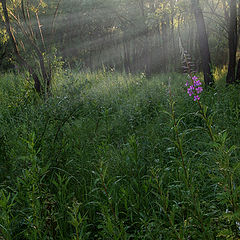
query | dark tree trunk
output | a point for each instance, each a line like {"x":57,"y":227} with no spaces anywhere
{"x":238,"y":65}
{"x":238,"y":72}
{"x":20,"y":59}
{"x":238,"y":19}
{"x":232,"y":42}
{"x":203,"y":43}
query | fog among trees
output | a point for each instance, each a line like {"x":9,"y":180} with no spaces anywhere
{"x":127,"y":35}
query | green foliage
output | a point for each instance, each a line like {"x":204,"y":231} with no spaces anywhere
{"x":114,"y":156}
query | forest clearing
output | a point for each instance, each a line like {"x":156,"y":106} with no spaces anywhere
{"x":119,"y":120}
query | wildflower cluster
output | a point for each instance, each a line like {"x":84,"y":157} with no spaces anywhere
{"x":194,"y":89}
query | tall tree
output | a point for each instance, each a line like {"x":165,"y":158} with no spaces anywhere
{"x":238,"y":65}
{"x":232,"y":42}
{"x":30,"y":48}
{"x":203,"y":42}
{"x":20,"y":59}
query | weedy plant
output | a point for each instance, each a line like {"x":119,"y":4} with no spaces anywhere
{"x":116,"y":156}
{"x":225,"y":172}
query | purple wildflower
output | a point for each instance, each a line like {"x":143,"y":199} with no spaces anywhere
{"x":190,"y":90}
{"x":194,"y":88}
{"x":199,"y":90}
{"x":197,"y":83}
{"x":196,"y":98}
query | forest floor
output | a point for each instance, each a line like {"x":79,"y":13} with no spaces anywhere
{"x":118,"y":156}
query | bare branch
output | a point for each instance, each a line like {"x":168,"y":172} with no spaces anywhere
{"x":40,"y":31}
{"x":55,"y":15}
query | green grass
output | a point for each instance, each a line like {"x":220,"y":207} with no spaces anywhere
{"x":103,"y":159}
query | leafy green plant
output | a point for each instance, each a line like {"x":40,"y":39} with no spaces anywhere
{"x":78,"y":221}
{"x":111,"y":156}
{"x":7,"y":202}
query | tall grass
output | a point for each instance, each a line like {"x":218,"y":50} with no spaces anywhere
{"x":114,"y":156}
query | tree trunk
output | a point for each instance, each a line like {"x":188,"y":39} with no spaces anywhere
{"x":165,"y":39}
{"x":126,"y":55}
{"x":203,"y":43}
{"x":146,"y":47}
{"x":20,"y":59}
{"x":238,"y":72}
{"x":232,"y":42}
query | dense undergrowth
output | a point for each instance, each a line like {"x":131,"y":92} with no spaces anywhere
{"x":112,"y":156}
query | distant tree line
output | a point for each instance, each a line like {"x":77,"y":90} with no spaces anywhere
{"x":127,"y":35}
